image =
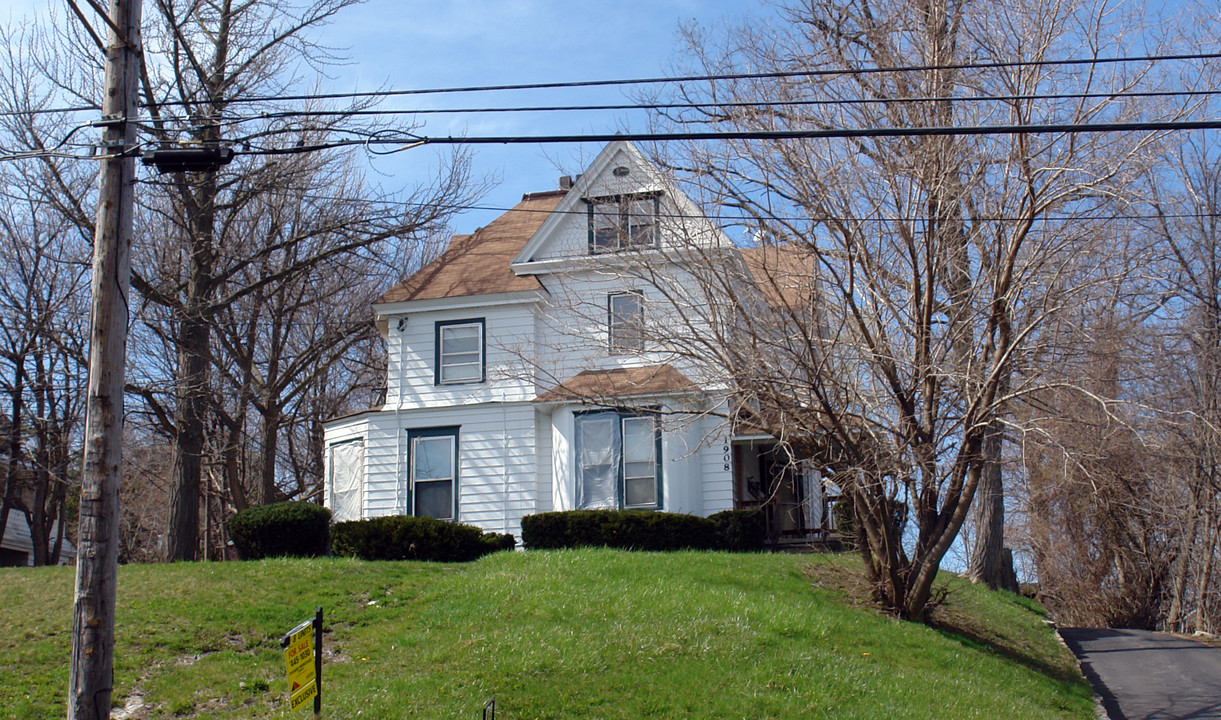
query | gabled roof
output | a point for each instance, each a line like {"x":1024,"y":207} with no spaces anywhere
{"x":478,"y":264}
{"x":620,"y":383}
{"x":601,"y":179}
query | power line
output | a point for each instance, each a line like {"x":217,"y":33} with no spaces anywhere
{"x":410,"y":140}
{"x":413,"y":140}
{"x":236,"y":119}
{"x":50,"y":111}
{"x":696,"y":78}
{"x":646,"y":81}
{"x":1107,"y":217}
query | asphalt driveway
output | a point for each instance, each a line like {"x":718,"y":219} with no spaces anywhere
{"x":1143,"y":675}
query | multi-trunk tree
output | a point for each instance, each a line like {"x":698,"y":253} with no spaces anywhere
{"x":937,"y":260}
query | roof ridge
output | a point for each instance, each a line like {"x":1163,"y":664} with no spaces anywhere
{"x":542,"y":194}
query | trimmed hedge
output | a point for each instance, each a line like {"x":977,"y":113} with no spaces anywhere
{"x":626,"y":529}
{"x":295,"y":529}
{"x":740,"y":530}
{"x":404,"y":537}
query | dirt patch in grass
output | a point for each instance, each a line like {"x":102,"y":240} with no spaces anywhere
{"x":831,"y":573}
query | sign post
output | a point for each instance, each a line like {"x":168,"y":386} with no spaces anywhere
{"x":303,"y":660}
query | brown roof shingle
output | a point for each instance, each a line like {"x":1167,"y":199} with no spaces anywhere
{"x":478,"y":264}
{"x":783,"y":274}
{"x":620,"y":383}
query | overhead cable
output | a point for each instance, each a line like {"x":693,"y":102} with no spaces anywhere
{"x":700,"y":78}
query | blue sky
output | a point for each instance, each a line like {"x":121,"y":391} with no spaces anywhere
{"x":440,"y":43}
{"x":452,"y":44}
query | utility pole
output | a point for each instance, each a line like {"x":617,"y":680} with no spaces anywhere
{"x":92,"y":673}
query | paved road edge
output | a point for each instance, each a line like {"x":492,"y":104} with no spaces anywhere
{"x":1100,"y":710}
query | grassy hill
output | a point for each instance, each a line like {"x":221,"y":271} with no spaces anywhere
{"x":561,"y":634}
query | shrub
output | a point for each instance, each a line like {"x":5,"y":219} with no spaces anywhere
{"x":740,"y":530}
{"x":626,"y":529}
{"x":495,"y":542}
{"x":404,"y":537}
{"x":298,"y":529}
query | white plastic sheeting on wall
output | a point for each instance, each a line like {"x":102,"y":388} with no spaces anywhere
{"x":347,"y":479}
{"x":597,"y":450}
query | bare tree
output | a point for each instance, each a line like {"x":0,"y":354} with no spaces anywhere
{"x":937,"y":260}
{"x":286,"y":214}
{"x":43,"y":309}
{"x":1188,"y":199}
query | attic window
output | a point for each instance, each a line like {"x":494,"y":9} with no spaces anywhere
{"x":622,"y":222}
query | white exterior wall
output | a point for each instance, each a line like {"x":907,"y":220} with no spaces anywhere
{"x":411,"y":344}
{"x":497,"y":466}
{"x":716,"y":466}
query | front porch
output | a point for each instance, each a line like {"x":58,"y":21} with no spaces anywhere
{"x":790,"y":492}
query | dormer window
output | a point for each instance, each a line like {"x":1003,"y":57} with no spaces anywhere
{"x":622,"y":222}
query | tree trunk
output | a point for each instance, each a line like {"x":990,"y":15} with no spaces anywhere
{"x":987,"y":558}
{"x":11,"y":482}
{"x":1210,"y":553}
{"x":182,"y":537}
{"x":267,"y":469}
{"x":40,"y":530}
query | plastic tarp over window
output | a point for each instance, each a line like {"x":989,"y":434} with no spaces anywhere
{"x":347,"y":479}
{"x":597,"y":450}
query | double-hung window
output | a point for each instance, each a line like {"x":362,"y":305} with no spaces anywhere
{"x":433,"y":472}
{"x":460,"y":352}
{"x":622,"y":222}
{"x":625,"y":322}
{"x":617,"y":460}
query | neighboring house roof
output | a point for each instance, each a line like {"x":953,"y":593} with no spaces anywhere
{"x":478,"y":264}
{"x":620,"y":383}
{"x":17,"y":536}
{"x":784,"y":274}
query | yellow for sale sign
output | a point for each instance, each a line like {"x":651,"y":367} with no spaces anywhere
{"x":299,"y":659}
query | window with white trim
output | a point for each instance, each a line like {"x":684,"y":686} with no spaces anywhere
{"x":460,"y":352}
{"x":433,"y":472}
{"x":625,"y":322}
{"x":617,"y":460}
{"x":622,"y":222}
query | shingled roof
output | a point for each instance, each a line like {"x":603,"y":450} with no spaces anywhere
{"x":620,"y":383}
{"x":784,"y":274}
{"x":478,"y":264}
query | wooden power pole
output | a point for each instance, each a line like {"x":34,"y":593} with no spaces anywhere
{"x":92,"y":673}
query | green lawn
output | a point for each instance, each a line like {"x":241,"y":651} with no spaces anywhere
{"x":550,"y":634}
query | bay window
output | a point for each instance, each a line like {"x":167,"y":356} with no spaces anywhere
{"x":617,"y":460}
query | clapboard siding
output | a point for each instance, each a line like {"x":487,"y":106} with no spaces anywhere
{"x":496,"y":460}
{"x":717,"y":481}
{"x":509,"y":337}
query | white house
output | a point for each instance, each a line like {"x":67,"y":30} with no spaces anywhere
{"x":529,"y":371}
